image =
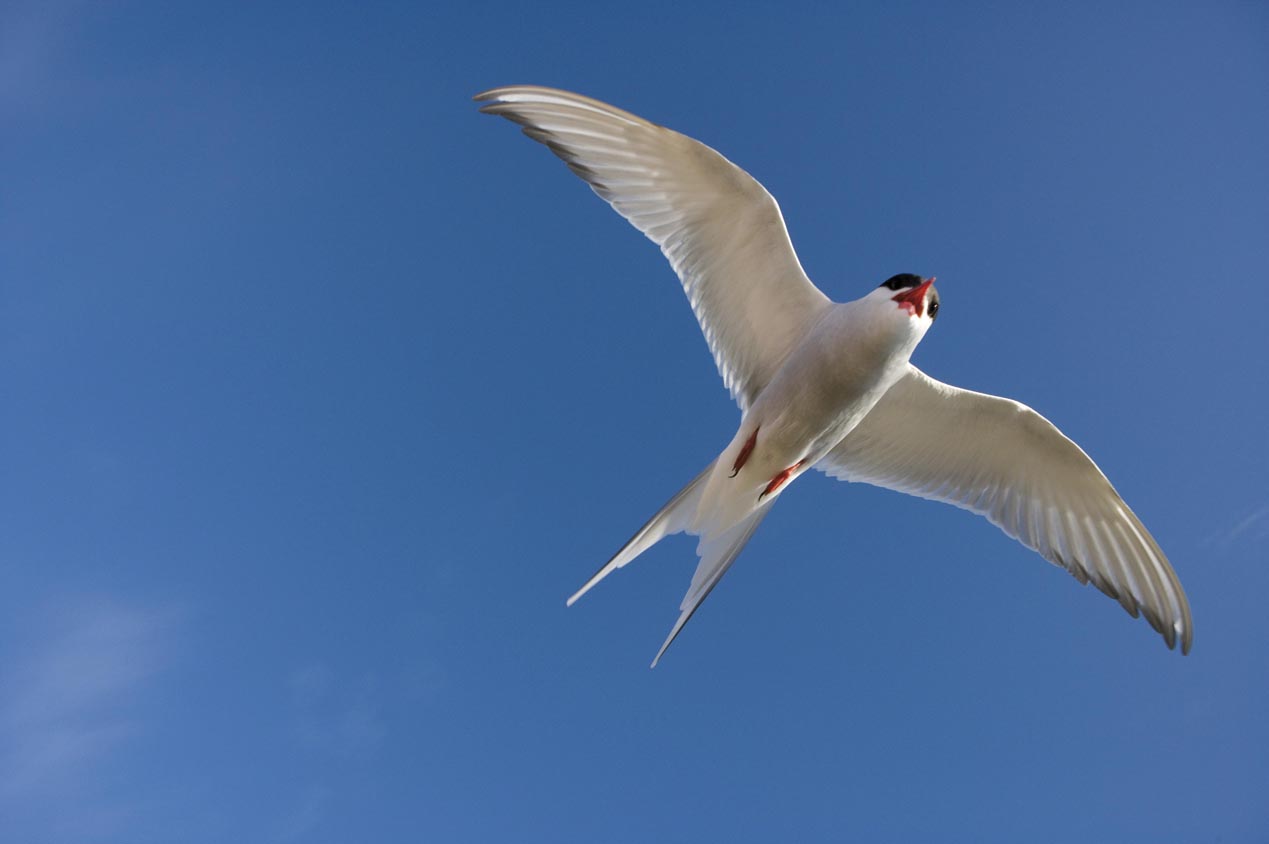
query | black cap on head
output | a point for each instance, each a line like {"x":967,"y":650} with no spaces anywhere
{"x":902,"y":281}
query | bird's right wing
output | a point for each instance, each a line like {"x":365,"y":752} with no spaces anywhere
{"x":720,"y":229}
{"x":1001,"y":459}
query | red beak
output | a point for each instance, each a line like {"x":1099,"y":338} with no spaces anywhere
{"x":914,"y":300}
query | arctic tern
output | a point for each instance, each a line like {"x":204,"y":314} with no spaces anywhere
{"x":828,"y":385}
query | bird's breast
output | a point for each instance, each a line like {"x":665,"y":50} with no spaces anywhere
{"x":825,"y":388}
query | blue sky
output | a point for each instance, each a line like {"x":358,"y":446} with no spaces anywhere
{"x":322,"y":392}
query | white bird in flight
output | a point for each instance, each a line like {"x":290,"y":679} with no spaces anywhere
{"x":828,"y":385}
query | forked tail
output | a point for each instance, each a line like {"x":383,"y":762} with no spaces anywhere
{"x":716,"y":552}
{"x":673,"y":518}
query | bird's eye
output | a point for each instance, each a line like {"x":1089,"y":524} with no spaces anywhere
{"x":934,"y":309}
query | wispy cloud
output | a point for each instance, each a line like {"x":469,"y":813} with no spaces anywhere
{"x":335,"y":720}
{"x":69,"y":705}
{"x":306,"y":815}
{"x":1250,"y":524}
{"x":335,"y":716}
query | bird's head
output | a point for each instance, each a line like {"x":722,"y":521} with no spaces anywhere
{"x":911,"y":296}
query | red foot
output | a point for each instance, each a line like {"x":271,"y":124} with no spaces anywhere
{"x":780,"y":479}
{"x":745,"y":451}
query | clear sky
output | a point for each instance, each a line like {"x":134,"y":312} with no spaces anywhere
{"x":321,"y":392}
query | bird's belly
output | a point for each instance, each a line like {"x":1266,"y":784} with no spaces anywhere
{"x":784,"y":433}
{"x":802,"y":425}
{"x":789,"y":440}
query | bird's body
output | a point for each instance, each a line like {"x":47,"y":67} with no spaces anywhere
{"x":829,"y":385}
{"x":851,"y":355}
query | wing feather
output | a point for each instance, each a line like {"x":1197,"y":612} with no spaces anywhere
{"x":1001,"y":459}
{"x":721,"y":231}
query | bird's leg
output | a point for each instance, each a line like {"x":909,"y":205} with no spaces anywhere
{"x":780,"y":479}
{"x":745,"y":451}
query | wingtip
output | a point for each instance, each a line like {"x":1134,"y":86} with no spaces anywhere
{"x":503,"y":90}
{"x":1177,"y":633}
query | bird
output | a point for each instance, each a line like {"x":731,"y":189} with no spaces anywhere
{"x":829,"y":385}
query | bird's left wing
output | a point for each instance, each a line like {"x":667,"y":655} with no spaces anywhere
{"x":720,"y":229}
{"x":1001,"y":459}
